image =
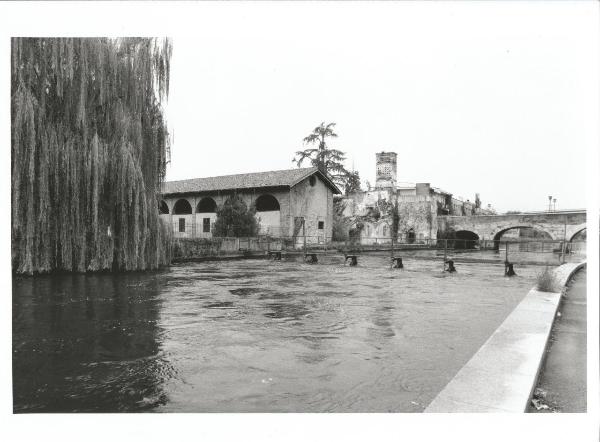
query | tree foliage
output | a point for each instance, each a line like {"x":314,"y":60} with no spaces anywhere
{"x":395,"y":215}
{"x":235,"y":219}
{"x":329,"y":161}
{"x":89,"y":148}
{"x":341,"y":223}
{"x":352,"y":183}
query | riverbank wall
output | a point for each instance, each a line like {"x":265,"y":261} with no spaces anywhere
{"x":503,"y":373}
{"x":188,"y":249}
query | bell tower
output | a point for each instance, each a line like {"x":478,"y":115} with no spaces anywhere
{"x":385,"y":175}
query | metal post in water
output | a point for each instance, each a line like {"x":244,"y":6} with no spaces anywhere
{"x":506,"y":253}
{"x":304,"y":234}
{"x":392,"y":252}
{"x":445,"y":251}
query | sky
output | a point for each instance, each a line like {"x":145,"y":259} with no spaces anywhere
{"x":474,"y":97}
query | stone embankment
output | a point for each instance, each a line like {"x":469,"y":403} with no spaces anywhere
{"x":202,"y":249}
{"x":501,"y":376}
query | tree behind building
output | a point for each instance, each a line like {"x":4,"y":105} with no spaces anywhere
{"x":329,"y":161}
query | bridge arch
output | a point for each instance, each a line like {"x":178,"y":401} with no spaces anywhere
{"x":580,"y":235}
{"x":465,"y":239}
{"x":498,"y":234}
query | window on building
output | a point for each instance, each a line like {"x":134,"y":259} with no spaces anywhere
{"x":182,"y":224}
{"x":321,"y":225}
{"x":206,"y":225}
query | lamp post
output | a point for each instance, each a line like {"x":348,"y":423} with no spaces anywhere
{"x":549,"y":203}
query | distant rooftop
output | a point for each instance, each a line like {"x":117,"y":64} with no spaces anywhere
{"x":274,"y":178}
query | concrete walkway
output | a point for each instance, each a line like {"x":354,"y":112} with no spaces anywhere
{"x":562,"y":383}
{"x":502,"y":375}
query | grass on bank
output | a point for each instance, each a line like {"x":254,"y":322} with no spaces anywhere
{"x":547,"y":282}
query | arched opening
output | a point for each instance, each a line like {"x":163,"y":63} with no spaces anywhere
{"x":410,"y":236}
{"x":268,"y":215}
{"x":163,"y":209}
{"x":206,"y":205}
{"x":206,"y":216}
{"x":182,"y":207}
{"x":529,"y":238}
{"x":267,"y":203}
{"x":580,"y":235}
{"x":578,"y":241}
{"x":465,"y":239}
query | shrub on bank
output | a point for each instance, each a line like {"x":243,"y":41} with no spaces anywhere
{"x":547,"y":282}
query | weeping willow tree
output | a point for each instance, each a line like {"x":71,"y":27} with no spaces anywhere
{"x":89,"y":151}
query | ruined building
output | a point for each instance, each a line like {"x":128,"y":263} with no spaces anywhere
{"x":418,"y":206}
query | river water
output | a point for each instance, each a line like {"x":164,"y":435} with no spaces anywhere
{"x":254,"y":335}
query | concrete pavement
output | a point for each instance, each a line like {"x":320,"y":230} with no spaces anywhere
{"x":562,"y":382}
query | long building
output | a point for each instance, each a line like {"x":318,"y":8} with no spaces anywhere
{"x":289,"y":203}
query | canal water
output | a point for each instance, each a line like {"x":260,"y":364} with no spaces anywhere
{"x":254,"y":335}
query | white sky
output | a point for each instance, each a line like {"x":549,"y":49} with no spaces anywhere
{"x":474,"y":97}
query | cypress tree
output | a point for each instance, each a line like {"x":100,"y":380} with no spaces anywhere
{"x":89,"y":149}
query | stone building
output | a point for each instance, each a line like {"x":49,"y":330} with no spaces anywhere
{"x":283,"y":199}
{"x":419,"y":204}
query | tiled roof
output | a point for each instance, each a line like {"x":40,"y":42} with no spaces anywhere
{"x":275,"y":178}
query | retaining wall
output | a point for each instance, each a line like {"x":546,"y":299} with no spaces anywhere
{"x":501,"y":376}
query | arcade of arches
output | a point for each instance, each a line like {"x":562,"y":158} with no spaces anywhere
{"x":199,"y":222}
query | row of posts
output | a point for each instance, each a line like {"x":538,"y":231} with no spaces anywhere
{"x":396,"y":262}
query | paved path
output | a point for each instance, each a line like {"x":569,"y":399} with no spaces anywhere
{"x":562,"y":383}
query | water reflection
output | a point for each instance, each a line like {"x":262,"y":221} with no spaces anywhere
{"x":87,"y":343}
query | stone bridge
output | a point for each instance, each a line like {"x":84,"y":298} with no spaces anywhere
{"x":557,"y":225}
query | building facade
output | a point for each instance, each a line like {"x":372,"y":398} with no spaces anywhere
{"x":419,"y":205}
{"x":290,"y":203}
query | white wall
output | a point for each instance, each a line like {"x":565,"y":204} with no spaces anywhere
{"x":269,"y":222}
